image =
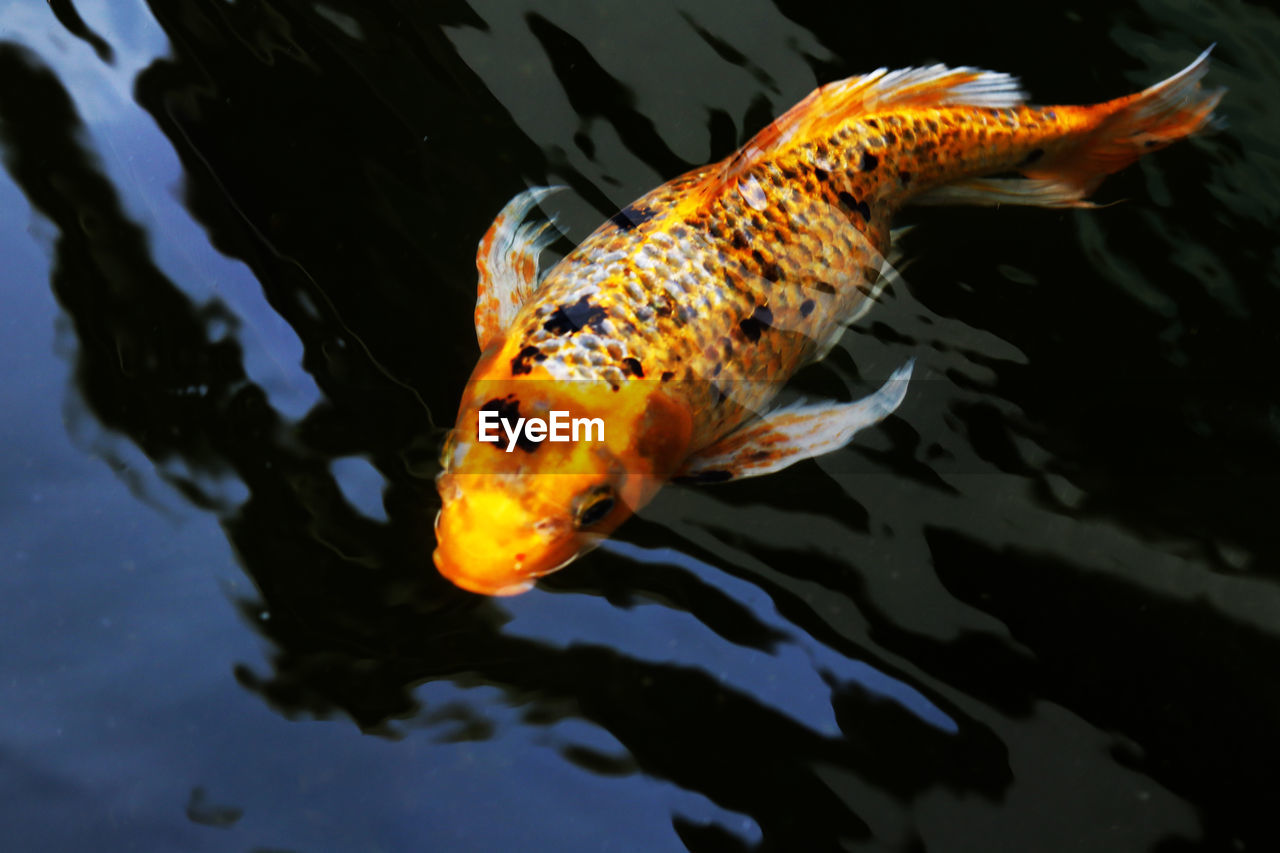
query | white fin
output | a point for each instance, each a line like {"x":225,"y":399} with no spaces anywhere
{"x":507,"y":260}
{"x":1173,"y":95}
{"x":992,"y":192}
{"x":787,"y":436}
{"x":935,"y":85}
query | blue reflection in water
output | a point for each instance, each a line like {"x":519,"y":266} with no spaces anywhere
{"x":823,"y":658}
{"x":361,"y":485}
{"x":788,"y":679}
{"x":483,"y":730}
{"x":150,"y":180}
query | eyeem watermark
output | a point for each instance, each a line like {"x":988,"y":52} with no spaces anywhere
{"x":560,"y":428}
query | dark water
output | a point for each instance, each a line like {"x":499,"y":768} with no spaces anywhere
{"x":1038,"y":610}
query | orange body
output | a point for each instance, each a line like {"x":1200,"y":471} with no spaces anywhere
{"x":677,"y":320}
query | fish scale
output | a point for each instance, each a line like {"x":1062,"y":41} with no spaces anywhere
{"x":678,"y":320}
{"x":812,"y":226}
{"x":726,"y":261}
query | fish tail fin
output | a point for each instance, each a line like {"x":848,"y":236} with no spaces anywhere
{"x":1130,"y":127}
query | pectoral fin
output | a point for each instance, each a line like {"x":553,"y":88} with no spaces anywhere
{"x":786,"y":436}
{"x":507,"y":261}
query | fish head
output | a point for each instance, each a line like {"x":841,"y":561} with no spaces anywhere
{"x":497,"y":534}
{"x":519,"y":508}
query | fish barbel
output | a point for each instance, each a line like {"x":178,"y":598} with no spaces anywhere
{"x":677,"y":321}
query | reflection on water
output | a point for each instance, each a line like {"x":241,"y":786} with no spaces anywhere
{"x":1037,"y":610}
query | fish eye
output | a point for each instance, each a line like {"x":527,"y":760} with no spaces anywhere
{"x":593,"y":506}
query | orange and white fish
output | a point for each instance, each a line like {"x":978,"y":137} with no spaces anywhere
{"x":668,"y":331}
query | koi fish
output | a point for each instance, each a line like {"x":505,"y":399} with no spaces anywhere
{"x":677,"y":321}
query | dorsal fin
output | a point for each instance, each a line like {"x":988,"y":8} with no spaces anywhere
{"x":828,"y":107}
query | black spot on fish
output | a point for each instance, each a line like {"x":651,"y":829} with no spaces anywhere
{"x":740,"y":240}
{"x":631,"y":216}
{"x":760,"y":319}
{"x":771,"y":272}
{"x":852,"y":205}
{"x":720,"y":395}
{"x":890,"y":139}
{"x":633,"y":366}
{"x":667,"y":376}
{"x":873,"y":123}
{"x":869,"y":161}
{"x":706,"y":477}
{"x":1032,"y":157}
{"x":905,"y":177}
{"x":566,"y":320}
{"x":821,"y":174}
{"x":716,"y":372}
{"x":520,"y":364}
{"x":806,"y":307}
{"x":508,"y":409}
{"x":823,"y":287}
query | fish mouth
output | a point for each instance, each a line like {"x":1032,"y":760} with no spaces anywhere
{"x":504,"y":587}
{"x":478,"y":583}
{"x":482,"y":586}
